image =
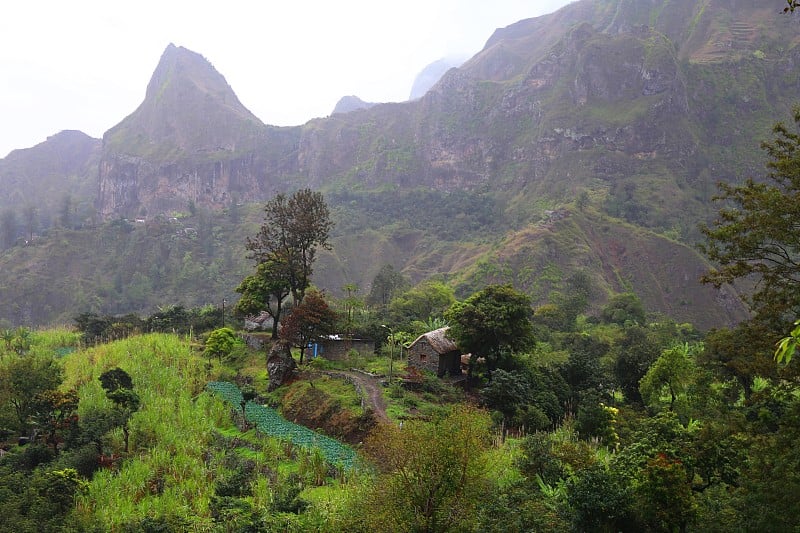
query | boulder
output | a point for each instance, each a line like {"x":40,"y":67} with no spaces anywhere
{"x":280,"y":365}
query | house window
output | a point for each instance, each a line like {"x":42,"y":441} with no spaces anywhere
{"x":423,"y":357}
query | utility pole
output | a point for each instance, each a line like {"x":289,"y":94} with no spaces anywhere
{"x":391,"y":350}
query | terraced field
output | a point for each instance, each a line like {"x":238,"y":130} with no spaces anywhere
{"x":273,"y":424}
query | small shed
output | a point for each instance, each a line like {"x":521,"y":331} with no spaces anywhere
{"x":436,"y":352}
{"x":339,"y":347}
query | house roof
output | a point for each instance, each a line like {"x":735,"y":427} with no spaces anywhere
{"x":260,"y":318}
{"x":438,"y":340}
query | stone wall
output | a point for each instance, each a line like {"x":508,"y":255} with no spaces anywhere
{"x":423,"y":356}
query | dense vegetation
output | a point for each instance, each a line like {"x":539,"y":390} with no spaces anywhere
{"x":618,"y":422}
{"x":570,"y":416}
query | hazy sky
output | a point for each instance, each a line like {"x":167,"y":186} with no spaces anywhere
{"x":85,"y":64}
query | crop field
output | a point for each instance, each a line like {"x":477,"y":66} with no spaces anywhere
{"x":273,"y":424}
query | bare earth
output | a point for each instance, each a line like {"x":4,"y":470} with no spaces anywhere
{"x":373,"y":391}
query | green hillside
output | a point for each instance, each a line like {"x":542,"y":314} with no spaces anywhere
{"x":632,"y":110}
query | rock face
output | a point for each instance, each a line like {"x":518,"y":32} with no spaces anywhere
{"x":610,"y":90}
{"x":280,"y":365}
{"x":190,"y":141}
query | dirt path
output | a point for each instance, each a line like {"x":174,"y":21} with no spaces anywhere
{"x":371,"y":388}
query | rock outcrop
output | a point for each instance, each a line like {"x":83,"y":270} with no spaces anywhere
{"x":190,"y":141}
{"x":280,"y":365}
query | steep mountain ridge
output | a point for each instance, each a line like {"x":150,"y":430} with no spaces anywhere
{"x":621,"y":113}
{"x":188,"y":108}
{"x":44,"y":175}
{"x":190,"y":141}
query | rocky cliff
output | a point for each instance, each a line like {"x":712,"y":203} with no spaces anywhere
{"x":190,"y":141}
{"x":587,"y":140}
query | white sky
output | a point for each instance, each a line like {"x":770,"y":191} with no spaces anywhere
{"x":85,"y":64}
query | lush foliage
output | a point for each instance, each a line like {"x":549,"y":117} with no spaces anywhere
{"x":221,"y":342}
{"x":492,"y":323}
{"x":309,"y":321}
{"x":756,"y":233}
{"x":264,"y":291}
{"x":293,"y":228}
{"x":168,"y":319}
{"x":430,"y":471}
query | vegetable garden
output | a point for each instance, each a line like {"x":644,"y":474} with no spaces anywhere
{"x":273,"y":424}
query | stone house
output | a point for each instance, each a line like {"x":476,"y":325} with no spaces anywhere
{"x":339,"y":347}
{"x":436,"y":352}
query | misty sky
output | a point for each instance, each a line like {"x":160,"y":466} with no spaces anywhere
{"x":85,"y":64}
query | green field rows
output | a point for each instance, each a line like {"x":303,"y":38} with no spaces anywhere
{"x":273,"y":424}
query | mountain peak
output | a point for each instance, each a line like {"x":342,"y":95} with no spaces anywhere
{"x":177,"y":61}
{"x":351,"y":103}
{"x":188,"y":107}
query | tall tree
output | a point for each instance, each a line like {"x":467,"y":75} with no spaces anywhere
{"x":758,"y":232}
{"x":386,"y":284}
{"x":309,"y":321}
{"x":492,"y":323}
{"x":634,"y":353}
{"x":264,"y":291}
{"x":351,"y":303}
{"x":294,"y":227}
{"x":119,"y":389}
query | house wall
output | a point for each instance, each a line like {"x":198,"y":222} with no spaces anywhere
{"x":338,"y":350}
{"x":423,"y":356}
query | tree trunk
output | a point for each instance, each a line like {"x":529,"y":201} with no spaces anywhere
{"x":275,"y":318}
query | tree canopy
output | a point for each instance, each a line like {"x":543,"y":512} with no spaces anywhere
{"x":264,"y":291}
{"x":220,"y":343}
{"x":294,"y":227}
{"x":756,"y":233}
{"x":385,"y":285}
{"x":308,"y":321}
{"x":490,"y":323}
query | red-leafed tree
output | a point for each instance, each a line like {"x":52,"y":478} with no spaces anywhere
{"x":308,"y":321}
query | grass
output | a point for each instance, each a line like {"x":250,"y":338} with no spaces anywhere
{"x":343,"y":392}
{"x":183,"y":440}
{"x":501,"y":463}
{"x":165,"y":469}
